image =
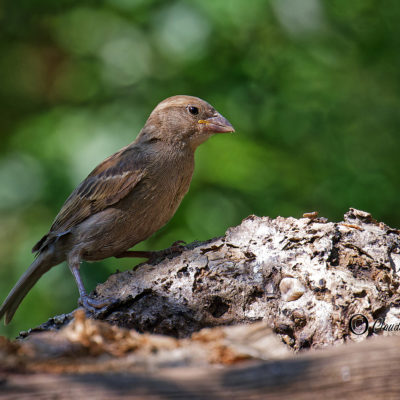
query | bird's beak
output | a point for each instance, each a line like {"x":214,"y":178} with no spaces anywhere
{"x":217,"y":124}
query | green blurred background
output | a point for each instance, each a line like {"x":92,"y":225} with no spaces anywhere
{"x":311,"y":86}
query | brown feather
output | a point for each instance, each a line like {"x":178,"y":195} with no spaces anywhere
{"x":107,"y":184}
{"x":127,"y":197}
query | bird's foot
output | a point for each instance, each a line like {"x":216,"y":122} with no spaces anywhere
{"x":176,"y":247}
{"x":97,"y":307}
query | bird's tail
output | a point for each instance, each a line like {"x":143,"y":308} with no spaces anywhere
{"x":42,"y":264}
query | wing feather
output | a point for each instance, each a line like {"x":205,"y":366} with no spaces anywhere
{"x":107,"y":184}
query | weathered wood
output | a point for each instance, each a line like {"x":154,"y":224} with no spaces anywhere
{"x":304,"y":277}
{"x":301,"y":279}
{"x":368,"y":370}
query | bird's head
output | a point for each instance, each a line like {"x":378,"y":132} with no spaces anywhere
{"x":185,"y":120}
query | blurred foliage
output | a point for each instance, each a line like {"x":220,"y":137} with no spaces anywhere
{"x":311,"y":86}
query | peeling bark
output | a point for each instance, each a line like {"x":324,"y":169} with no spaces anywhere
{"x":276,"y":285}
{"x":304,"y":277}
{"x":94,"y":360}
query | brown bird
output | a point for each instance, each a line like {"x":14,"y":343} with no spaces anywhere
{"x":126,"y":198}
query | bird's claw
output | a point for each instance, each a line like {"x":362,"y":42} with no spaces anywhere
{"x":176,"y":247}
{"x":97,"y":307}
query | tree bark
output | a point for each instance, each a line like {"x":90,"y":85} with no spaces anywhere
{"x":304,"y":277}
{"x":368,"y":370}
{"x":277,"y":286}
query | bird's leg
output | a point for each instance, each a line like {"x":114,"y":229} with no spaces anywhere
{"x":134,"y":254}
{"x":90,"y":304}
{"x":176,"y":247}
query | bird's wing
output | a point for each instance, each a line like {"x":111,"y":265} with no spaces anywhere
{"x":107,"y":184}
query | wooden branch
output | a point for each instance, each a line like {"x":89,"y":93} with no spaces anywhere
{"x":304,"y":277}
{"x":186,"y":326}
{"x":367,"y":370}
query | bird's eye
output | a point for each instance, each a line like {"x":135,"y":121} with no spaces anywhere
{"x":193,"y":110}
